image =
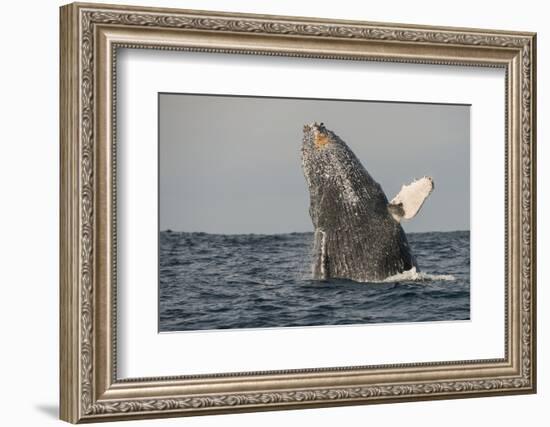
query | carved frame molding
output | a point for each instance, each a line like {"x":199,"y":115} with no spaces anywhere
{"x":90,"y":36}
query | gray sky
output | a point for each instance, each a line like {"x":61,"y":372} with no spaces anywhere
{"x":232,"y":164}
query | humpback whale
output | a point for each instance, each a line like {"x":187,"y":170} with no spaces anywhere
{"x":358,"y":233}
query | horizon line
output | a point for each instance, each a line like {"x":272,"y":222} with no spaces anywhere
{"x":293,"y":232}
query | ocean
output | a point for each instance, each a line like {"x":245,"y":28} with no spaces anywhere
{"x":216,"y":281}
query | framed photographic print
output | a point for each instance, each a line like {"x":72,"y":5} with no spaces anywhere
{"x":267,"y":212}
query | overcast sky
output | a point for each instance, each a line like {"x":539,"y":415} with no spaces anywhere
{"x":232,"y":164}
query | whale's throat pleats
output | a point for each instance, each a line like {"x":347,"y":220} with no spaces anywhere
{"x":320,"y":266}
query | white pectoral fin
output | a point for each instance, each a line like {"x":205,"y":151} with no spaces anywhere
{"x":411,"y":198}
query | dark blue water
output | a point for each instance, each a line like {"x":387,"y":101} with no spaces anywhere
{"x":210,"y":281}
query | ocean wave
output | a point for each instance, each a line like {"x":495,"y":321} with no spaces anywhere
{"x":256,"y":281}
{"x":413,"y":275}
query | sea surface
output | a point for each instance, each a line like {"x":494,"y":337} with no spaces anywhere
{"x":215,"y":281}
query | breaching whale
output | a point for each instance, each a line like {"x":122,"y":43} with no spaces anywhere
{"x":358,"y":234}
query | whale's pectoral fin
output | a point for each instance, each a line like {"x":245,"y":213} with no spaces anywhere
{"x":411,"y":198}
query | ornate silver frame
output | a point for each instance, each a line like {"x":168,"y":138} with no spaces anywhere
{"x":90,"y":36}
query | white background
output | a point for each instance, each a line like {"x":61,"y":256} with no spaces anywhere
{"x":145,"y":353}
{"x":29,"y":172}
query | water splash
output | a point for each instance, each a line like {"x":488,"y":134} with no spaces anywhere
{"x":413,"y":275}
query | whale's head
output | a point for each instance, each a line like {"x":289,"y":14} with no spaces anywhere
{"x":317,"y":137}
{"x":322,"y":152}
{"x":325,"y":156}
{"x":334,"y":174}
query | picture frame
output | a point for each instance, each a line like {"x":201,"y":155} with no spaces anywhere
{"x":91,"y":35}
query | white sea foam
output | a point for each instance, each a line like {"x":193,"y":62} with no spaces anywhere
{"x":413,"y":275}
